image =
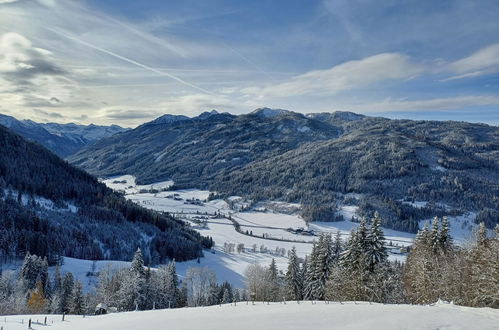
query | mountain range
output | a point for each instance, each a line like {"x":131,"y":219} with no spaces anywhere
{"x":62,"y":139}
{"x":404,"y":169}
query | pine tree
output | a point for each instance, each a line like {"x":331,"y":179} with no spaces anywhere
{"x":137,"y":266}
{"x":421,"y":267}
{"x":324,"y":265}
{"x":483,"y":263}
{"x":57,"y":280}
{"x":376,"y":252}
{"x":435,"y":234}
{"x":337,"y":246}
{"x":310,"y":271}
{"x":237,"y":295}
{"x":272,"y":275}
{"x":304,"y":272}
{"x":43,"y":274}
{"x":444,"y":237}
{"x":294,"y":280}
{"x":354,"y":265}
{"x":105,"y":292}
{"x":28,"y":272}
{"x":172,"y":285}
{"x":226,"y":296}
{"x":132,"y":291}
{"x":66,"y":293}
{"x":77,"y":299}
{"x":182,"y":296}
{"x":362,"y":232}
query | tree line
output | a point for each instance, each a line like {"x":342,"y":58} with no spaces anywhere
{"x":359,"y":270}
{"x":32,"y":290}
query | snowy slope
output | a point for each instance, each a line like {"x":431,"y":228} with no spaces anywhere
{"x":288,"y":316}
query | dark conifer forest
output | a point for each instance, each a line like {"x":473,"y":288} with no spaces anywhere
{"x":50,"y":208}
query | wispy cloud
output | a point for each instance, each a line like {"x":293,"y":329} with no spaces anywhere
{"x":435,"y":104}
{"x":482,"y":62}
{"x":345,"y":76}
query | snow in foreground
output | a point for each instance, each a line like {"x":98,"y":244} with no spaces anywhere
{"x":279,"y":316}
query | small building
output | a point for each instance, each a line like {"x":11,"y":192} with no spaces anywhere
{"x":100,"y":309}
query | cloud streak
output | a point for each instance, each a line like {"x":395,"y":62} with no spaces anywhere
{"x":129,"y":60}
{"x":345,"y":76}
{"x":436,"y":104}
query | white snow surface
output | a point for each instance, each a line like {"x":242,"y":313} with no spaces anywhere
{"x":289,"y":316}
{"x":271,"y":224}
{"x":127,"y":184}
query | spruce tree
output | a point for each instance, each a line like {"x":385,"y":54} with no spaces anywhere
{"x":354,"y":265}
{"x":226,"y":296}
{"x":172,"y":285}
{"x":137,"y":266}
{"x":66,"y":293}
{"x":132,"y":291}
{"x":272,"y":275}
{"x":77,"y":299}
{"x":337,"y":246}
{"x":294,"y":281}
{"x":310,"y":282}
{"x":324,"y":265}
{"x":29,"y":272}
{"x":376,"y":252}
{"x":444,"y":237}
{"x":435,"y":234}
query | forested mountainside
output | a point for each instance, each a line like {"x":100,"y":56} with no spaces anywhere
{"x":61,"y":139}
{"x":50,"y":208}
{"x":319,"y":160}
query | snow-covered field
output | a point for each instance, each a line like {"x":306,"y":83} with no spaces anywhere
{"x":290,"y":316}
{"x":126,"y":184}
{"x":268,"y":220}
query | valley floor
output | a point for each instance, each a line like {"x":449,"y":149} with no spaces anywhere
{"x":288,"y":316}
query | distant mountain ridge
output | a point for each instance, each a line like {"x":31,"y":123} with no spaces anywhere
{"x":317,"y":160}
{"x":62,"y":139}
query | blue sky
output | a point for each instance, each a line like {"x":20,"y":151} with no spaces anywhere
{"x":127,"y":62}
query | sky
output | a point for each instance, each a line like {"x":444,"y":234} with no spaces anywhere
{"x":127,"y":62}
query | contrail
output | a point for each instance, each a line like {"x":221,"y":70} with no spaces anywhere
{"x":247,"y":60}
{"x":126,"y":59}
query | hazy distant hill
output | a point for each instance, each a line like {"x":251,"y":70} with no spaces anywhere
{"x":316,"y":159}
{"x":62,"y":139}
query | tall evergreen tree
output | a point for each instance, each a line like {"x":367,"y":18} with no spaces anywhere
{"x":137,"y":266}
{"x":66,"y":293}
{"x":132,"y":291}
{"x":444,"y":237}
{"x":172,"y":285}
{"x":324,"y":265}
{"x":273,"y":280}
{"x":294,"y":280}
{"x":337,"y":246}
{"x":310,"y":281}
{"x":77,"y":300}
{"x":376,"y":252}
{"x":435,"y":234}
